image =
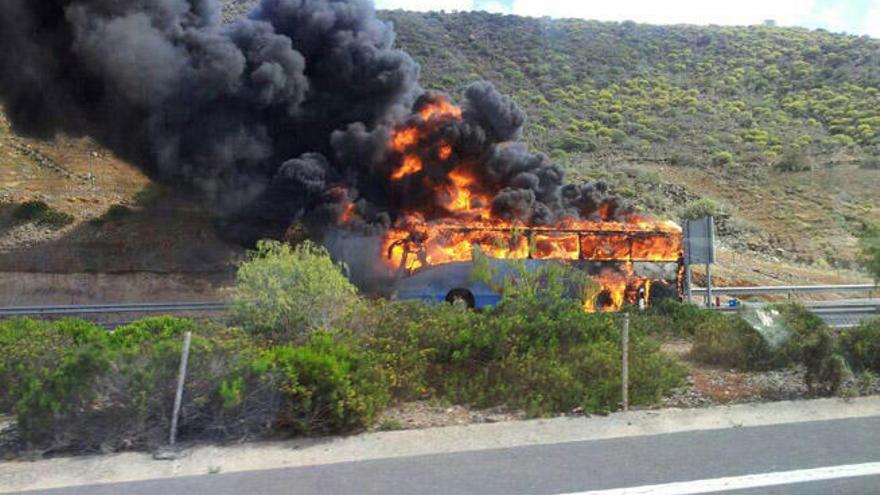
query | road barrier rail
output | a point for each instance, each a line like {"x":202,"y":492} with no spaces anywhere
{"x":68,"y":310}
{"x":867,"y":307}
{"x":786,"y":289}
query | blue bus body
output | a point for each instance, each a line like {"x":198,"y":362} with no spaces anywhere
{"x":648,"y":259}
{"x":450,"y":281}
{"x":441,"y":283}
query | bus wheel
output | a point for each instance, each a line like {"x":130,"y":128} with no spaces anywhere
{"x":461,"y":296}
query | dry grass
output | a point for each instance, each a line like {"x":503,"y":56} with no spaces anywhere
{"x":808,"y":218}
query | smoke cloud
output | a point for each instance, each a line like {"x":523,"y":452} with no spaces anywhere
{"x":285,"y":114}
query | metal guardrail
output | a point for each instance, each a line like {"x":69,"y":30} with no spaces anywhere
{"x":112,"y":308}
{"x":866,"y":307}
{"x":785,"y":289}
{"x":843,"y":309}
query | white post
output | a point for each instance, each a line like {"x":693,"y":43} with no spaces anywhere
{"x":178,"y":396}
{"x":708,"y":285}
{"x":689,"y":283}
{"x":625,"y":378}
{"x":687,"y":263}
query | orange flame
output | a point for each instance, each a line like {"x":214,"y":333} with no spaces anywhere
{"x":462,"y":196}
{"x":409,"y":139}
{"x":440,"y":108}
{"x":411,"y":164}
{"x":348,"y":214}
{"x":618,"y":287}
{"x":444,"y":152}
{"x":466,"y":221}
{"x":449,"y":241}
{"x":404,"y":139}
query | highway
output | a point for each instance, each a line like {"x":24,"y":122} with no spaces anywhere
{"x":838,"y":314}
{"x":847,"y":313}
{"x":820,"y":457}
{"x":844,"y":319}
{"x":842,"y":313}
{"x":112,"y":316}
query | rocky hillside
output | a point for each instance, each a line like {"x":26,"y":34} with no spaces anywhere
{"x":779,"y":128}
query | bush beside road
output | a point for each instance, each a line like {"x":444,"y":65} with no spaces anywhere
{"x":322,"y":369}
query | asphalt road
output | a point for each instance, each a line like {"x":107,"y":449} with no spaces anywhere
{"x":839,"y":314}
{"x":845,"y":318}
{"x":573,"y":467}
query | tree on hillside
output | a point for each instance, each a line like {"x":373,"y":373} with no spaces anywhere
{"x":869,"y":251}
{"x":703,"y":207}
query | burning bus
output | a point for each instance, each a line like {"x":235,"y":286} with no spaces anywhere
{"x":510,"y":205}
{"x":455,"y":182}
{"x":636,"y":263}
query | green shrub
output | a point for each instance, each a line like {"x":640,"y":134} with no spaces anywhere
{"x":549,"y":361}
{"x":405,"y":336}
{"x":671,"y":316}
{"x":683,"y":159}
{"x":794,"y":160}
{"x":574,"y":143}
{"x":869,"y":251}
{"x":729,"y":341}
{"x":811,"y":344}
{"x":40,"y":213}
{"x":140,"y":384}
{"x":548,"y":285}
{"x":829,"y":376}
{"x":30,"y":348}
{"x":722,"y":158}
{"x":150,"y":329}
{"x":53,"y":391}
{"x":861,"y":346}
{"x":703,"y":207}
{"x":537,"y":350}
{"x":288,"y":292}
{"x":30,"y":210}
{"x":71,"y":385}
{"x":326,"y":385}
{"x":617,"y":136}
{"x":558,"y":155}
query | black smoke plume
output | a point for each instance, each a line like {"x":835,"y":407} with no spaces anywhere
{"x":285,"y":114}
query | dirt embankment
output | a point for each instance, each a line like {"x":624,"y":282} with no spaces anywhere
{"x":130,"y":241}
{"x":162,"y":252}
{"x":49,"y":289}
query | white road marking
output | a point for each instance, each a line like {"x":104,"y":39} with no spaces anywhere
{"x":746,"y":481}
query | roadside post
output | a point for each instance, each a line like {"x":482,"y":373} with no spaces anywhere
{"x":625,"y":372}
{"x":708,"y":285}
{"x":178,"y":396}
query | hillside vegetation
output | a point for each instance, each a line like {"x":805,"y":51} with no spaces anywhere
{"x":686,"y":94}
{"x":779,"y":126}
{"x":776,"y":129}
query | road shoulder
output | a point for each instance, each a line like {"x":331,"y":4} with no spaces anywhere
{"x":200,"y":460}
